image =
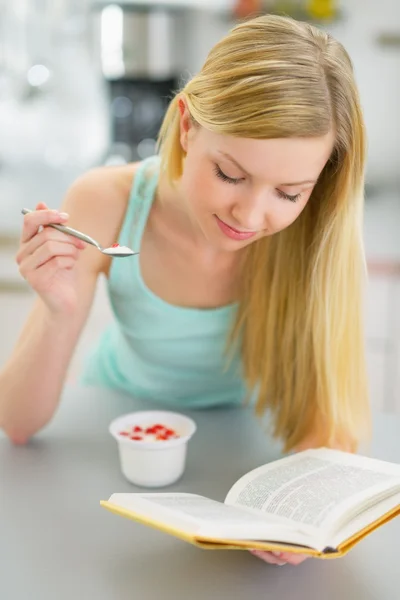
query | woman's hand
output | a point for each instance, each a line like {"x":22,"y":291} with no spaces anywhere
{"x":280,"y":558}
{"x":314,"y":440}
{"x":47,"y":259}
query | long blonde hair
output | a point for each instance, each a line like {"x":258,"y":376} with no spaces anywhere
{"x":300,"y":317}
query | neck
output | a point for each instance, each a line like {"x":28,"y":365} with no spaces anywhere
{"x":171,"y":206}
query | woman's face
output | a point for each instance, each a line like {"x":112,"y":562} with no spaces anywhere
{"x":238,"y":190}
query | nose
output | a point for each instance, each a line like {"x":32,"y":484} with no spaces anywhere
{"x":251,"y":213}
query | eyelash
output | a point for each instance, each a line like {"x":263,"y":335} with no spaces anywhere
{"x":235,"y":181}
{"x":287,"y":197}
{"x":219,"y":173}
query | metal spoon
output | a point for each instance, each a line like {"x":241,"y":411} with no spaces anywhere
{"x":116,"y":251}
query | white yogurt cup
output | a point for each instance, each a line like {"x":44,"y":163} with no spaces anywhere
{"x":153,"y":463}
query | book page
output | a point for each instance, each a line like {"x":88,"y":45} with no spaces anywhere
{"x":364,"y":518}
{"x":202,"y":516}
{"x":189,"y":510}
{"x":315,"y":487}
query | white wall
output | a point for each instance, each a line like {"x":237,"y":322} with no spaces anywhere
{"x":378,"y":74}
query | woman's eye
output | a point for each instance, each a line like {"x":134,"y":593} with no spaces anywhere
{"x":219,"y":173}
{"x":288,"y":197}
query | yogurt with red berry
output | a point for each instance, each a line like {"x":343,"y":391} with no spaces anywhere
{"x":152,"y":446}
{"x":152,"y":433}
{"x":117,"y":250}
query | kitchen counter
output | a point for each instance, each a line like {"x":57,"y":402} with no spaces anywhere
{"x":57,"y":542}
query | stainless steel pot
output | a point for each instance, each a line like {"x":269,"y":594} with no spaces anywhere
{"x":139,"y":41}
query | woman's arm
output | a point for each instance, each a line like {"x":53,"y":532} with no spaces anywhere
{"x":32,"y":379}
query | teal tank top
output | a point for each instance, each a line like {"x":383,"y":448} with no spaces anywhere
{"x":154,"y":350}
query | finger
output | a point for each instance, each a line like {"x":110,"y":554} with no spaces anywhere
{"x":293,"y":559}
{"x":47,"y":270}
{"x":62,"y":262}
{"x":58,"y":263}
{"x":49,"y":234}
{"x":268,"y":557}
{"x":47,"y":252}
{"x":40,"y":218}
{"x":41,"y":206}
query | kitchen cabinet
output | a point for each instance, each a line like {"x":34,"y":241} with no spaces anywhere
{"x":382,"y":325}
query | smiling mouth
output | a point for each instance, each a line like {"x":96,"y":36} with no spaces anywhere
{"x":233,"y":233}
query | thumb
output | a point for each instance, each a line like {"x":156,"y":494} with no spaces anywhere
{"x":41,"y":206}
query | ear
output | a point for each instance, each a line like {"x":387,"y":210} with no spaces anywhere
{"x":185,"y":123}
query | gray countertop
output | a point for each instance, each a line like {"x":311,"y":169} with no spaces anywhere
{"x":57,"y":542}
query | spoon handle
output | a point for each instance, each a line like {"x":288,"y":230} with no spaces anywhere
{"x":69,"y":231}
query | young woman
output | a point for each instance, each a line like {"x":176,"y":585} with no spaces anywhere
{"x":250,"y":274}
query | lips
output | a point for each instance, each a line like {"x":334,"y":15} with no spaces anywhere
{"x":234,"y":234}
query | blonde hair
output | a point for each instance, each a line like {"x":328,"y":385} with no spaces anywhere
{"x":300,"y":317}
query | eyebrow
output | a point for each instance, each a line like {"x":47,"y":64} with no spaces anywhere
{"x":298,"y":183}
{"x":229,"y":157}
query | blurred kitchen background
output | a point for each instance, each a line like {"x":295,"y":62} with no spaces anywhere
{"x":86,"y":83}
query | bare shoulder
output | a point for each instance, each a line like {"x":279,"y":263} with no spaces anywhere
{"x":96,"y":204}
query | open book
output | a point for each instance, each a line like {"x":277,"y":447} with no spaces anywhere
{"x":317,"y":502}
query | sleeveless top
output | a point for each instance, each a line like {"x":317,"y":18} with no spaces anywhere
{"x":155,"y":350}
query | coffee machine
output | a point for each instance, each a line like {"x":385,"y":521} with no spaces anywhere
{"x":141,"y":47}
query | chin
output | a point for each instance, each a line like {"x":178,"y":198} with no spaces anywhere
{"x":219,"y":242}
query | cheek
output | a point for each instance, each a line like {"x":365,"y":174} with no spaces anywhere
{"x":195,"y":188}
{"x":285,"y":215}
{"x":190,"y":179}
{"x":202,"y":189}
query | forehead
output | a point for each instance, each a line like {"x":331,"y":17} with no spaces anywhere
{"x":281,"y":160}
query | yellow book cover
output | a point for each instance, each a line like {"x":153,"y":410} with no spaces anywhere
{"x":317,"y":502}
